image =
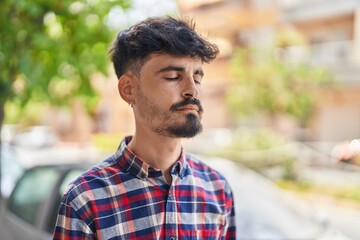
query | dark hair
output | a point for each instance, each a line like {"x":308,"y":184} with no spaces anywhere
{"x":133,"y":46}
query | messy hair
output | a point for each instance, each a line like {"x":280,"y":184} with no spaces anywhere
{"x":160,"y":35}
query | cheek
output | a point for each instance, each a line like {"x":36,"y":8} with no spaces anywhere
{"x":158,"y":103}
{"x":164,"y":98}
{"x":162,"y":94}
{"x":199,"y":92}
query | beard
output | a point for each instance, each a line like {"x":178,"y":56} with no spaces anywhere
{"x":166,"y":122}
{"x":189,"y":129}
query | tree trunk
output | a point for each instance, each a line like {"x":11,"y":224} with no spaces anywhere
{"x":2,"y":115}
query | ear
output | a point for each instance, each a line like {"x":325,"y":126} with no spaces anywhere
{"x":126,"y":86}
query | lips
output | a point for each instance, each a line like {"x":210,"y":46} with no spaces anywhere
{"x":188,"y":104}
{"x":189,"y":107}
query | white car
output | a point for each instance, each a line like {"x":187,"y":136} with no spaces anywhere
{"x":11,"y":169}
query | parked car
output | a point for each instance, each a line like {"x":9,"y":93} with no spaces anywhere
{"x":347,"y":152}
{"x":31,"y":210}
{"x":263,"y":211}
{"x":11,"y":169}
{"x":35,"y":137}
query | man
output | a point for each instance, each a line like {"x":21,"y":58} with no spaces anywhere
{"x":150,"y":188}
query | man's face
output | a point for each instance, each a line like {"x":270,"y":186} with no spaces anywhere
{"x":167,"y":93}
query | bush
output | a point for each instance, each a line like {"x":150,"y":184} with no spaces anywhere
{"x":261,"y":150}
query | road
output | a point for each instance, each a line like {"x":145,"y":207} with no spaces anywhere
{"x":341,"y":215}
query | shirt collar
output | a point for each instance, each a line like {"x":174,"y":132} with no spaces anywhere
{"x":129,"y":162}
{"x":179,"y":166}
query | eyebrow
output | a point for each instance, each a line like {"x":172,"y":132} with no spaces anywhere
{"x":179,"y":69}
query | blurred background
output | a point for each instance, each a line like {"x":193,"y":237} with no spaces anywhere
{"x":282,"y":101}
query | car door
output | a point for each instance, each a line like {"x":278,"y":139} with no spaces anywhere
{"x":69,"y":173}
{"x":24,"y":210}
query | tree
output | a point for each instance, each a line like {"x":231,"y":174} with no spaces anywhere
{"x":270,"y":81}
{"x":267,"y":82}
{"x":50,"y":49}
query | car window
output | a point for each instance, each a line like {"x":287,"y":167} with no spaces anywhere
{"x":70,"y":176}
{"x":11,"y":169}
{"x":31,"y":192}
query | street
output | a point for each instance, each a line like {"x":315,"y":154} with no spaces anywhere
{"x":341,"y":214}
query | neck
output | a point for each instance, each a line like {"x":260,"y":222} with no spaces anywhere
{"x":159,"y":151}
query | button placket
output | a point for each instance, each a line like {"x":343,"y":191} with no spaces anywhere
{"x":171,"y":211}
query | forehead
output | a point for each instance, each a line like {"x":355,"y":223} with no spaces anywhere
{"x":159,"y":61}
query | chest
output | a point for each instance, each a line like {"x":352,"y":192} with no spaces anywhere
{"x":154,"y":211}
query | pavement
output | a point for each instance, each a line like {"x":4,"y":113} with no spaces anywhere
{"x":340,"y":214}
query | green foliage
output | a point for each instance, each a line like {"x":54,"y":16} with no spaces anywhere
{"x":260,"y":150}
{"x":107,"y":142}
{"x":50,"y":49}
{"x":351,"y":193}
{"x":259,"y":139}
{"x":24,"y":117}
{"x":263,"y":82}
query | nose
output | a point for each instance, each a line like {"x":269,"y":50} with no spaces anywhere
{"x":190,"y":89}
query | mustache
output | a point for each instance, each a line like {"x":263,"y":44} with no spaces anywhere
{"x":187,"y":101}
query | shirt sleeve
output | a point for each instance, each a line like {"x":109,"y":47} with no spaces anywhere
{"x":230,"y":225}
{"x":71,"y":223}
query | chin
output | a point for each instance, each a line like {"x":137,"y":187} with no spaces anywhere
{"x":189,"y":129}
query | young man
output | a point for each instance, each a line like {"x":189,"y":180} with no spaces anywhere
{"x":150,"y":188}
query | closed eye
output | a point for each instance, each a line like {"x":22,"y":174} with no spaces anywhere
{"x":172,"y":78}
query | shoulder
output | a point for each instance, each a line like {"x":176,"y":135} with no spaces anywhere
{"x":199,"y":167}
{"x":94,"y":179}
{"x":199,"y":164}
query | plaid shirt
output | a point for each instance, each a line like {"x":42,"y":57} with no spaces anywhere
{"x":125,"y":198}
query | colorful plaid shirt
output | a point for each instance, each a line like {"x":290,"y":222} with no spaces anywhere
{"x":125,"y":198}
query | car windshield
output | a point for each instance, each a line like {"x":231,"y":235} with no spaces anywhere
{"x":31,"y":192}
{"x":70,"y":176}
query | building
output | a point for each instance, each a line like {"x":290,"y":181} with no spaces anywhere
{"x":332,"y":32}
